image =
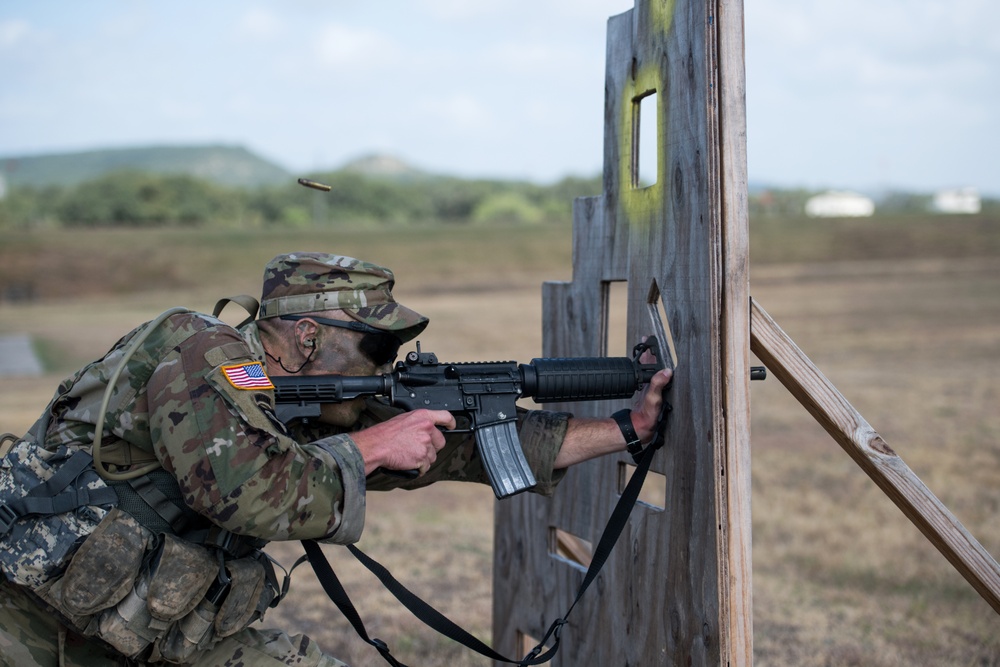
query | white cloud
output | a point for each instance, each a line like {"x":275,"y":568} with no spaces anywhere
{"x":458,"y":111}
{"x":463,"y":10}
{"x":525,"y":12}
{"x":175,"y":110}
{"x":260,"y":24}
{"x":531,"y":57}
{"x":354,"y":48}
{"x":12,"y":33}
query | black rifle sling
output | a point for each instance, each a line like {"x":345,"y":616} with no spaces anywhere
{"x":335,"y":590}
{"x":445,"y":626}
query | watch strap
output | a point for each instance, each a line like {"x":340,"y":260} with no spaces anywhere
{"x":624,"y":420}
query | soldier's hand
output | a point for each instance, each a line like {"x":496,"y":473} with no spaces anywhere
{"x":409,"y":441}
{"x":646,"y":409}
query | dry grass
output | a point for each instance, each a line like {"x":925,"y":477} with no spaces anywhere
{"x":840,"y":576}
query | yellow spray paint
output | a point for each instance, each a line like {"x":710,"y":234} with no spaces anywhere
{"x":661,"y":15}
{"x":640,"y":204}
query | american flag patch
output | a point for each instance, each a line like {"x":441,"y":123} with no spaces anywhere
{"x":248,"y":376}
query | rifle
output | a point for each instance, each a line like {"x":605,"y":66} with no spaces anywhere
{"x":486,"y":393}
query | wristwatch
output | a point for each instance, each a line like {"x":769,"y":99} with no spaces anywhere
{"x":624,"y":420}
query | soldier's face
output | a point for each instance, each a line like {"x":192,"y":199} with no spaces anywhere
{"x":339,"y":354}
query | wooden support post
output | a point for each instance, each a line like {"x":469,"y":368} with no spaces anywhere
{"x":677,"y":588}
{"x":818,"y":395}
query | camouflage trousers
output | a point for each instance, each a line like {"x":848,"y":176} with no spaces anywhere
{"x":29,"y":637}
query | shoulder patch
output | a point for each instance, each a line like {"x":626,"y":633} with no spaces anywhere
{"x":248,"y":376}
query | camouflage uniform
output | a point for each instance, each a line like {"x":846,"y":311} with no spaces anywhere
{"x":234,"y":463}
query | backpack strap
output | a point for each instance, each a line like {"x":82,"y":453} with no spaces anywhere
{"x":7,"y":441}
{"x":58,"y":494}
{"x":245,"y":301}
{"x":133,"y":345}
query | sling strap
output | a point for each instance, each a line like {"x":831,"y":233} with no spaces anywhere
{"x":445,"y":626}
{"x":335,"y":590}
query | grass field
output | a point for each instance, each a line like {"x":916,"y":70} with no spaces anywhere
{"x":904,"y":317}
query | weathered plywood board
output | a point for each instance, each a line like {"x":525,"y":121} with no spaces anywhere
{"x":677,"y":588}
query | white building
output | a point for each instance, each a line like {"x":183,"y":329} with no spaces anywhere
{"x":835,"y":204}
{"x":960,"y":200}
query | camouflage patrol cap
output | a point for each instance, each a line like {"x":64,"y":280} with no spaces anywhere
{"x":311,"y":282}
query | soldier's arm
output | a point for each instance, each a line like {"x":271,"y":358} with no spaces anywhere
{"x":541,"y":433}
{"x":233,"y":460}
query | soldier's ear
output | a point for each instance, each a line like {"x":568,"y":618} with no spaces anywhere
{"x":306,"y":330}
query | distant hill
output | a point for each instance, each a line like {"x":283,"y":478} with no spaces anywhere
{"x":378,"y":165}
{"x":227,"y":165}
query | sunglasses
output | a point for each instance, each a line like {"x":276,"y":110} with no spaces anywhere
{"x":379,"y":346}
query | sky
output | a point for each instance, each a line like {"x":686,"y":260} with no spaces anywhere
{"x":860,"y":94}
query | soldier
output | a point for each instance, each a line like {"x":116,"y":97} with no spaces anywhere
{"x":146,"y":549}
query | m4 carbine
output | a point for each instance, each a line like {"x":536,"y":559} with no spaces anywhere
{"x":485,"y":393}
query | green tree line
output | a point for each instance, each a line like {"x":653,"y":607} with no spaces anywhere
{"x":143,"y":199}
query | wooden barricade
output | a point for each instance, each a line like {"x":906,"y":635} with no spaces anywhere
{"x":677,"y":588}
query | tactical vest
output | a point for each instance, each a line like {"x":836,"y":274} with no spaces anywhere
{"x":119,"y":556}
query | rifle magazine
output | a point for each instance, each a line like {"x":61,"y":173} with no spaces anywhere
{"x":503,"y":459}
